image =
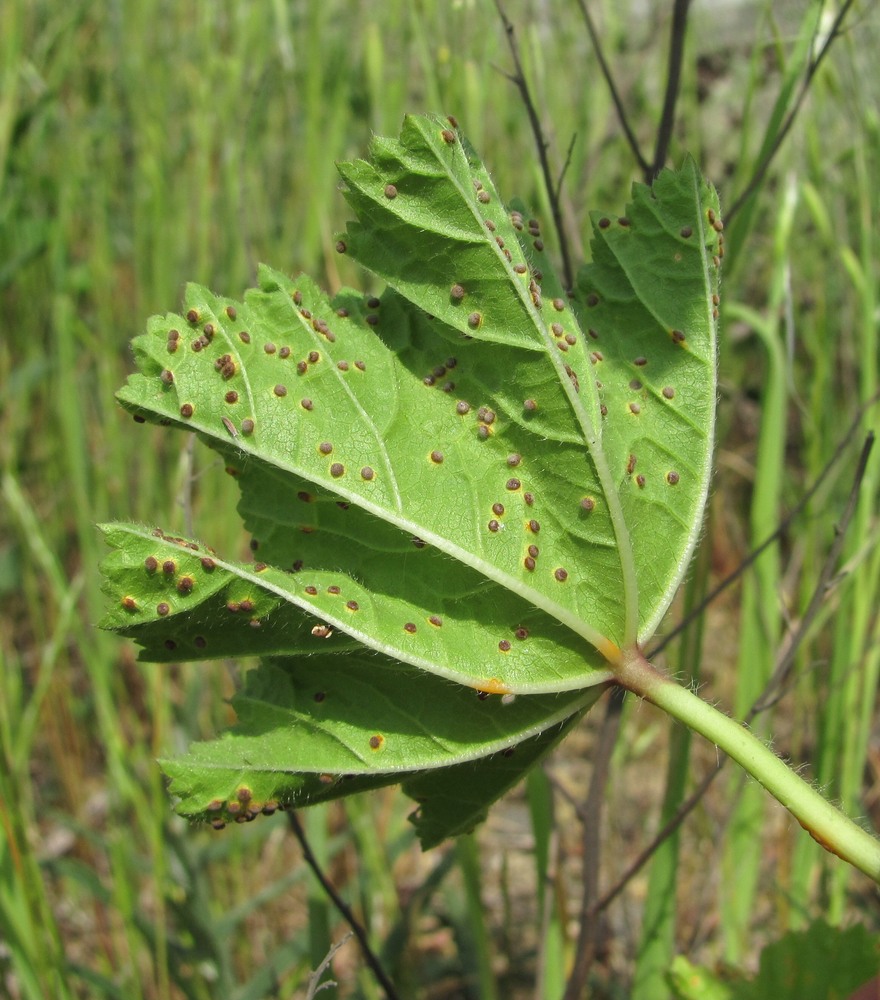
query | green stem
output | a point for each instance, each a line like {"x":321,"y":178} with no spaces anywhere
{"x":832,"y":829}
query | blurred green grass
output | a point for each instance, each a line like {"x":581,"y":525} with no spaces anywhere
{"x":146,"y":144}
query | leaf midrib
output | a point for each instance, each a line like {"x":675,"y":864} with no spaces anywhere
{"x":591,"y":435}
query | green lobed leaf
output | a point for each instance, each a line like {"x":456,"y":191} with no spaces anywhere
{"x":309,"y":727}
{"x":476,"y":474}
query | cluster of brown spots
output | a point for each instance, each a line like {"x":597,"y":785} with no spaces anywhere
{"x":241,"y":809}
{"x":173,"y":340}
{"x":714,"y":221}
{"x":574,"y":379}
{"x":535,"y":292}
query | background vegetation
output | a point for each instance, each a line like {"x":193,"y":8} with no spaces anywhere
{"x":146,"y":144}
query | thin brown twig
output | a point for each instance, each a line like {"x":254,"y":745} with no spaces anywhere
{"x":519,"y":80}
{"x":565,"y":166}
{"x":591,"y":817}
{"x":673,"y":81}
{"x":644,"y":166}
{"x":785,"y":659}
{"x":776,"y":683}
{"x":813,"y":65}
{"x":371,"y":958}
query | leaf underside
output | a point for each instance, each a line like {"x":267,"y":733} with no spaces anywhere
{"x":476,"y":484}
